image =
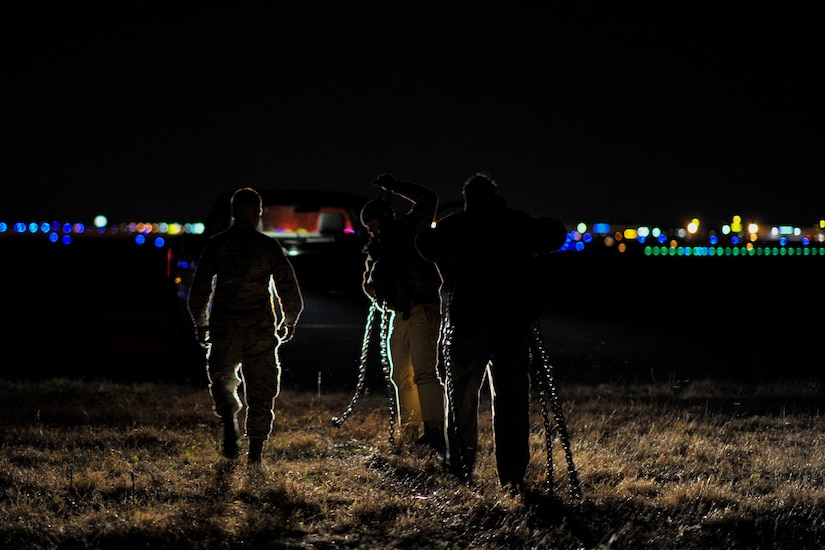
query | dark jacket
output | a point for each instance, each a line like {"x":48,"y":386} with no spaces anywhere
{"x":394,"y":272}
{"x":487,"y":257}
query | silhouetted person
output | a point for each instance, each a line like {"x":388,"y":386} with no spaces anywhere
{"x":398,"y":279}
{"x":486,"y":255}
{"x":240,"y":273}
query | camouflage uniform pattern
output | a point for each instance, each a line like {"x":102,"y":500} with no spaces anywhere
{"x":238,"y":278}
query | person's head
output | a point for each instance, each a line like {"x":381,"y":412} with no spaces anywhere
{"x":373,"y":215}
{"x":479,"y":190}
{"x":247,"y":206}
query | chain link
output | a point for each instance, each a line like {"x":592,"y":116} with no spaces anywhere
{"x":547,"y":385}
{"x":362,"y":368}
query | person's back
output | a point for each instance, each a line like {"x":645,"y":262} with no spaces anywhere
{"x":238,"y":276}
{"x":486,"y":254}
{"x":489,"y":250}
{"x":242,"y":261}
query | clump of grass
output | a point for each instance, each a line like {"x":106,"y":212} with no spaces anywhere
{"x":702,"y":464}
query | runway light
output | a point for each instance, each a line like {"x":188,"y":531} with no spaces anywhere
{"x":693,"y":226}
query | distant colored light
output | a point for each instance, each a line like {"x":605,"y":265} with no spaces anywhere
{"x":100,"y":221}
{"x":601,"y":227}
{"x":693,"y":226}
{"x":34,"y":227}
{"x":66,"y":239}
{"x":194,"y":228}
{"x":713,"y":239}
{"x":3,"y":227}
{"x":140,"y":239}
{"x":53,"y":237}
{"x":45,"y":227}
{"x":581,"y":227}
{"x":159,"y":242}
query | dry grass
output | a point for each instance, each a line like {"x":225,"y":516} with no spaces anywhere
{"x":106,"y":465}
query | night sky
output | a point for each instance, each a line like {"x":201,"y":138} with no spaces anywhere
{"x":626,"y":117}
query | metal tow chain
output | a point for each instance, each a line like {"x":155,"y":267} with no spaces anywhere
{"x":385,"y":365}
{"x":454,"y":433}
{"x":547,"y":385}
{"x":362,"y":368}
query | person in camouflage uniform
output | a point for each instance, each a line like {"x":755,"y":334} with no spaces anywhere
{"x":397,"y":279}
{"x":239,"y":274}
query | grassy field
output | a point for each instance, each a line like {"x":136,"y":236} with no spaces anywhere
{"x":706,"y":464}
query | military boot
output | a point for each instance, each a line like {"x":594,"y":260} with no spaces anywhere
{"x":256,"y":451}
{"x":433,"y":436}
{"x":231,"y":447}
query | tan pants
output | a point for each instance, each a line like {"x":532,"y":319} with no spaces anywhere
{"x":413,"y":355}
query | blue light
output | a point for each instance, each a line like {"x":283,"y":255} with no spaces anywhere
{"x":33,"y":227}
{"x":3,"y":227}
{"x":159,"y":242}
{"x":19,"y":227}
{"x":45,"y":227}
{"x":140,"y":238}
{"x":53,"y":237}
{"x":67,"y":239}
{"x":713,"y":239}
